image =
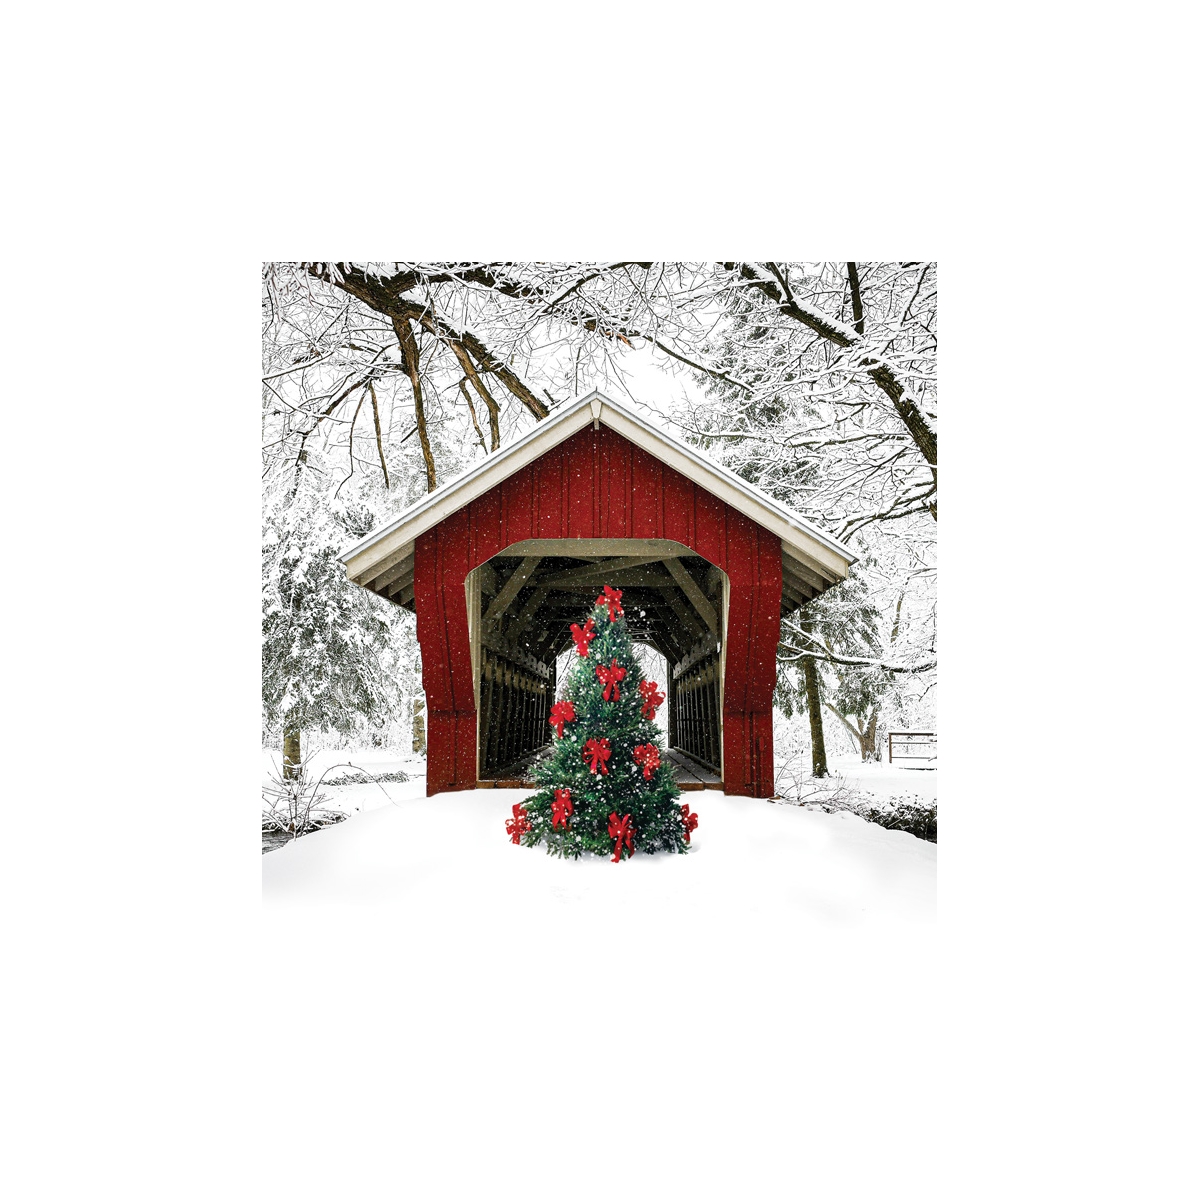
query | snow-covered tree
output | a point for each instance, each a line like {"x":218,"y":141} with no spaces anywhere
{"x":820,"y":387}
{"x":798,"y":416}
{"x":325,"y":642}
{"x":864,"y":652}
{"x":810,"y":354}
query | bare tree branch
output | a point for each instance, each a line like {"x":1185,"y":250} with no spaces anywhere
{"x":378,"y":435}
{"x":411,"y":360}
{"x":841,"y":335}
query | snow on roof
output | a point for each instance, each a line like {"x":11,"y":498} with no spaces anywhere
{"x":384,"y":547}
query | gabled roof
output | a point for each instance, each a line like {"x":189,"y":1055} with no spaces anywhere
{"x":387,"y":552}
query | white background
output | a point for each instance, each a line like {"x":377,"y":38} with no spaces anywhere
{"x":166,"y":1040}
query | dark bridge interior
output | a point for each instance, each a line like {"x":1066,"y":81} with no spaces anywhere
{"x":522,"y":603}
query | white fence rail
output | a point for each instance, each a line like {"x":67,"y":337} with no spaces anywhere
{"x":912,"y":744}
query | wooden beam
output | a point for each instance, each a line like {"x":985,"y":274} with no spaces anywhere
{"x":488,"y":583}
{"x":399,"y":583}
{"x":669,"y":635}
{"x":364,"y":578}
{"x":676,"y":602}
{"x":636,"y":592}
{"x":402,"y":568}
{"x":792,"y":594}
{"x":601,"y":570}
{"x":517,"y":656}
{"x":820,"y":580}
{"x":551,"y":641}
{"x":801,"y":587}
{"x":691,"y":588}
{"x":524,"y":618}
{"x":787,"y":607}
{"x":402,"y":600}
{"x":508,"y":593}
{"x":629,"y":578}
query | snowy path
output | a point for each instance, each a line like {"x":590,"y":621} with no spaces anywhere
{"x":751,"y":859}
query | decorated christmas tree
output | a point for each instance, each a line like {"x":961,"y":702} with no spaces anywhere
{"x":607,"y":786}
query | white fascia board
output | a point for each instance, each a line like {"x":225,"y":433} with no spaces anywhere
{"x":363,"y":559}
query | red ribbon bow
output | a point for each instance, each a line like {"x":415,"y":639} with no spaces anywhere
{"x":610,"y":677}
{"x":652,"y":696}
{"x":560,"y":714}
{"x":598,"y":752}
{"x":583,"y":636}
{"x":647,"y":758}
{"x":518,"y":824}
{"x":562,"y":807}
{"x":612,"y":598}
{"x":690,"y":821}
{"x":620,"y":829}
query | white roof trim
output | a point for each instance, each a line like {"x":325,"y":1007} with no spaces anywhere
{"x":800,"y":537}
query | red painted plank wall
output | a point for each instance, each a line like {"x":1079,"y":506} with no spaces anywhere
{"x":598,"y":484}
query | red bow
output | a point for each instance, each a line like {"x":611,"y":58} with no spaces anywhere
{"x":583,"y":636}
{"x":652,"y":696}
{"x":598,"y":752}
{"x":690,"y":821}
{"x":560,"y":714}
{"x":620,"y":829}
{"x":613,"y":600}
{"x":610,"y":677}
{"x":562,"y":807}
{"x":647,"y":758}
{"x":518,"y":824}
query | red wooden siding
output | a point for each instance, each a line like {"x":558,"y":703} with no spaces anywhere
{"x":598,"y":484}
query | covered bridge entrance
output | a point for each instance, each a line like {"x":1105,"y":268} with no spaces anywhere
{"x":520,"y":605}
{"x":498,"y":564}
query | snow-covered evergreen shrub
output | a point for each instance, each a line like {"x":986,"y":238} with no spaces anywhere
{"x":325,"y":641}
{"x":910,"y":814}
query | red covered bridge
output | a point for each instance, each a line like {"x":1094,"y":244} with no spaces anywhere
{"x":498,"y":563}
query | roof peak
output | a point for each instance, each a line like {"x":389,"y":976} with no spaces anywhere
{"x":803,"y":539}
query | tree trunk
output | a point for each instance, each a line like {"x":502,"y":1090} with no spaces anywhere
{"x":493,"y":409}
{"x":812,"y":693}
{"x":869,"y":752}
{"x":812,"y":697}
{"x":291,"y":754}
{"x":856,"y":734}
{"x":418,"y":726}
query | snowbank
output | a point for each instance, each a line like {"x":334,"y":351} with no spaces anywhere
{"x":483,"y":1018}
{"x":751,"y":860}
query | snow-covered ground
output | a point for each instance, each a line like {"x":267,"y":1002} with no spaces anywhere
{"x":354,"y":798}
{"x":751,"y":859}
{"x":883,"y":779}
{"x":482,"y":1018}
